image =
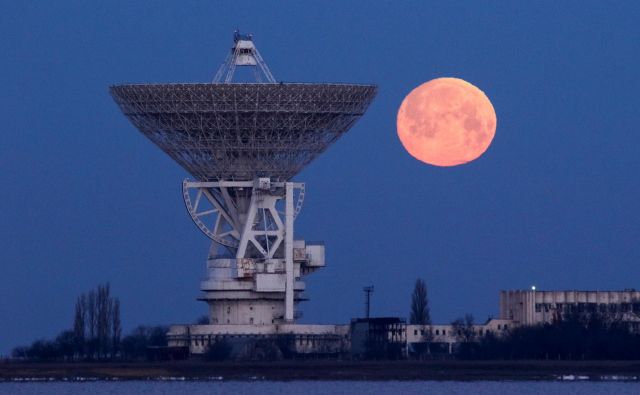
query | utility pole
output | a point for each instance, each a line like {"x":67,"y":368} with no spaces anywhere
{"x":367,"y":303}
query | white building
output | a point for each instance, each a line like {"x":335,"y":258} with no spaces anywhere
{"x":449,"y":335}
{"x":530,"y":307}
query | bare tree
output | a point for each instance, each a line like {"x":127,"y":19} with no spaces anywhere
{"x":80,"y":324}
{"x":92,"y":319}
{"x":115,"y":327}
{"x":463,"y":328}
{"x":104,"y":305}
{"x":97,"y":324}
{"x":420,"y":314}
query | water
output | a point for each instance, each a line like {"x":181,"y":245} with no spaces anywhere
{"x":322,"y":387}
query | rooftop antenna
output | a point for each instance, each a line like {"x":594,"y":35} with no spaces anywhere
{"x":243,"y":53}
{"x":368,"y":290}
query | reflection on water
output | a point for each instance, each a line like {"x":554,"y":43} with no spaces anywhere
{"x":321,"y":387}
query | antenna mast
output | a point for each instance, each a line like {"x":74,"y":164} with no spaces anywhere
{"x":367,"y":301}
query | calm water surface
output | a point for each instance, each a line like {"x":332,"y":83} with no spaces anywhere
{"x":322,"y":387}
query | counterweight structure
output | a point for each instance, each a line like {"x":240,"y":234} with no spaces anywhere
{"x":243,"y":143}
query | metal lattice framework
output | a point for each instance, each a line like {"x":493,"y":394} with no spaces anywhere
{"x":243,"y":131}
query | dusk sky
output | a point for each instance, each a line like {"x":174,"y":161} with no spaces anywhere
{"x":554,"y":202}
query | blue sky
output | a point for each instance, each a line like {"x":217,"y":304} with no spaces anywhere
{"x":85,"y":198}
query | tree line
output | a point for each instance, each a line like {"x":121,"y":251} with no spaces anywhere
{"x":575,"y":337}
{"x":96,"y":334}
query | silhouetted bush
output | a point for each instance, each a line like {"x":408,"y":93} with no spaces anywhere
{"x":575,"y":337}
{"x":265,"y":350}
{"x":135,"y":345}
{"x":218,"y":351}
{"x":65,"y":343}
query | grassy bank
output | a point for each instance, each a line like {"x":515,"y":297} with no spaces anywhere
{"x":324,"y":370}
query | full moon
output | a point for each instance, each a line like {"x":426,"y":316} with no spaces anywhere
{"x":446,"y":122}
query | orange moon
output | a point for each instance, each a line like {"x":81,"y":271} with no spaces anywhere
{"x":446,"y":122}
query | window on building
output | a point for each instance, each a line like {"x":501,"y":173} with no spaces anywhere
{"x":504,"y":327}
{"x":422,"y":332}
{"x":498,"y":326}
{"x":538,"y":308}
{"x":251,"y":320}
{"x":415,"y":332}
{"x":437,"y":331}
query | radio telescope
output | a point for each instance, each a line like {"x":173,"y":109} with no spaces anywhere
{"x":243,"y":143}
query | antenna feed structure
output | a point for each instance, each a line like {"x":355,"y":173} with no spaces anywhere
{"x":244,"y":54}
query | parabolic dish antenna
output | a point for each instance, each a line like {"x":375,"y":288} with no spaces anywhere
{"x":243,"y":142}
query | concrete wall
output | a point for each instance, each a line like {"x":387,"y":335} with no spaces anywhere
{"x":447,"y":334}
{"x":306,"y":339}
{"x":246,"y":312}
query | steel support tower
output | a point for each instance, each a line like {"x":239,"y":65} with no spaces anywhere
{"x":243,"y":143}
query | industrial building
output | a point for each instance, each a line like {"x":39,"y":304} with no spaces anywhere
{"x":299,"y":339}
{"x":531,"y":307}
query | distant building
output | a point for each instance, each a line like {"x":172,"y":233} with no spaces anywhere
{"x":378,"y":338}
{"x":531,"y":307}
{"x":444,"y":338}
{"x":299,"y":339}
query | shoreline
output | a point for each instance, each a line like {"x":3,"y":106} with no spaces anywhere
{"x":323,"y":371}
